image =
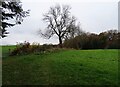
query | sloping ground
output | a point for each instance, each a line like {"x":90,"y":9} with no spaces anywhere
{"x":68,"y":67}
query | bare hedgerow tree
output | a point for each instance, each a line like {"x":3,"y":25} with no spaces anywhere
{"x":60,"y":23}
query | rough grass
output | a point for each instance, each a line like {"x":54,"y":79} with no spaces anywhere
{"x":5,"y":50}
{"x":67,"y":67}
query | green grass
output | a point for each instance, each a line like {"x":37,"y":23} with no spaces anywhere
{"x":5,"y":50}
{"x":67,"y":67}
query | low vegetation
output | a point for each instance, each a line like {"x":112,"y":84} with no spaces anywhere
{"x":65,"y":67}
{"x":26,"y":48}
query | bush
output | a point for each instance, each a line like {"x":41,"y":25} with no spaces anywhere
{"x":21,"y":48}
{"x":26,"y":48}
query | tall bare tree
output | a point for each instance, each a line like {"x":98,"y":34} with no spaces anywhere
{"x":60,"y":22}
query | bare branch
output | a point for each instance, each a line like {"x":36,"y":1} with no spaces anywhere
{"x":60,"y":22}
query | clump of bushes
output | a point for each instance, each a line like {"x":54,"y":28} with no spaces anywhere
{"x":26,"y":48}
{"x":21,"y":48}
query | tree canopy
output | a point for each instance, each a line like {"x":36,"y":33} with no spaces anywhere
{"x":104,"y":40}
{"x":12,"y":13}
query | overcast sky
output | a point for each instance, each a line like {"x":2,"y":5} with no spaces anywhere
{"x":94,"y":15}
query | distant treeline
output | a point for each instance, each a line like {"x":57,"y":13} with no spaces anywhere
{"x":105,"y":40}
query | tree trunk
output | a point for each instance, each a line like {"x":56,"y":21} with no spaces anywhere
{"x":60,"y":42}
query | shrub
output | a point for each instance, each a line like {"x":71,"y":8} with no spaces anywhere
{"x":26,"y":48}
{"x":21,"y":48}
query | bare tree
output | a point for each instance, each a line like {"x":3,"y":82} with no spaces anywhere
{"x":60,"y":23}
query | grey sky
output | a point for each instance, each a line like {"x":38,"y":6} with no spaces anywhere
{"x":94,"y":15}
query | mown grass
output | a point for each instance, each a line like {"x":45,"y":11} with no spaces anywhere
{"x":67,"y":67}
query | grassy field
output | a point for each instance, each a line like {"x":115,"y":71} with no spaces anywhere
{"x":67,"y":67}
